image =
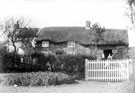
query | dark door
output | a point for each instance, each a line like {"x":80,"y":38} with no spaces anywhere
{"x":107,"y":52}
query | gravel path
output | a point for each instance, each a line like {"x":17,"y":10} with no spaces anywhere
{"x":82,"y":87}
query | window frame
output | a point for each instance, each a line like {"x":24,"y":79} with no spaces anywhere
{"x":71,"y":44}
{"x":45,"y":44}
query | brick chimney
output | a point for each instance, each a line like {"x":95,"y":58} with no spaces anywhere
{"x":88,"y":25}
{"x":16,"y":26}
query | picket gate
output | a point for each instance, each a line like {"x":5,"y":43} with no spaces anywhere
{"x":107,"y":70}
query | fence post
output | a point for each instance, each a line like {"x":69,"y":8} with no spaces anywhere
{"x":86,"y":69}
{"x":127,"y":62}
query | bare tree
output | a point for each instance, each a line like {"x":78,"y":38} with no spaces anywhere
{"x":11,"y":28}
{"x":98,"y":30}
{"x":131,"y":11}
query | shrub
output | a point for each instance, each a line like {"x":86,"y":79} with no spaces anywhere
{"x":37,"y":79}
{"x":71,"y":64}
{"x":42,"y":61}
{"x":3,"y":51}
{"x":34,"y":62}
{"x":10,"y":62}
{"x":61,"y":63}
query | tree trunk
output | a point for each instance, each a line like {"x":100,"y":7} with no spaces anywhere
{"x":14,"y":57}
{"x":96,"y":50}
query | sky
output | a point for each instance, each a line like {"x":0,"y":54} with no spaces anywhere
{"x":45,"y":13}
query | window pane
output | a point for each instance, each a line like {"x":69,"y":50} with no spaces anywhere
{"x":45,"y":44}
{"x":71,"y":44}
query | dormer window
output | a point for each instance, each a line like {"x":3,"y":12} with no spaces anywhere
{"x":45,"y":44}
{"x":71,"y":44}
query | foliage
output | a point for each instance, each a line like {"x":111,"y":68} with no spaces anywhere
{"x":72,"y":64}
{"x":34,"y":62}
{"x":11,"y":28}
{"x":27,"y":37}
{"x":130,"y":2}
{"x":60,"y":63}
{"x":10,"y":61}
{"x":69,"y":64}
{"x":98,"y":30}
{"x":43,"y":61}
{"x":122,"y":53}
{"x":131,"y":11}
{"x":36,"y":79}
{"x":2,"y":52}
{"x":17,"y":31}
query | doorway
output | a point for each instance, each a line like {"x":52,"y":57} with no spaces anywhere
{"x":107,"y":52}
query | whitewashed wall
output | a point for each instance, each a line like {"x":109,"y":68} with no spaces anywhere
{"x":131,"y":36}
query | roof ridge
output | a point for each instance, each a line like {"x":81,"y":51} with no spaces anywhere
{"x":115,"y":29}
{"x":63,"y":26}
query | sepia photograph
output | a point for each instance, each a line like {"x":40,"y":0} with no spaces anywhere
{"x":67,"y":46}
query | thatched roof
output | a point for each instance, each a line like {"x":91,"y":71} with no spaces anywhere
{"x":27,"y":32}
{"x":82,"y":35}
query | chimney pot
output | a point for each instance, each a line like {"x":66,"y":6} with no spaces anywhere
{"x":88,"y":24}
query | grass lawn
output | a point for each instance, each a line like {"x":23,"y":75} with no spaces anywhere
{"x":81,"y":87}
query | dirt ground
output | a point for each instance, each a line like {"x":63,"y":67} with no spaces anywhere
{"x":81,"y":87}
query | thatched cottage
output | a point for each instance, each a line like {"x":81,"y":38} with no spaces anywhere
{"x":80,"y":40}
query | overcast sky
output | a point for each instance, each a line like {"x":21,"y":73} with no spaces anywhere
{"x":42,"y":13}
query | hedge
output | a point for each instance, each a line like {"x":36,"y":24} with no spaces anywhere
{"x":39,"y":62}
{"x":36,"y":79}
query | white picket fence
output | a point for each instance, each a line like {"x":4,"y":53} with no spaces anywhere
{"x":107,"y":70}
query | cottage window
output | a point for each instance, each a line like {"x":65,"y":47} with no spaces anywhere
{"x":45,"y":44}
{"x":71,"y":44}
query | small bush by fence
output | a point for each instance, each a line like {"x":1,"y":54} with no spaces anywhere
{"x":71,"y":63}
